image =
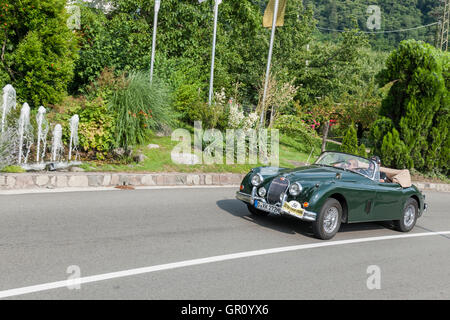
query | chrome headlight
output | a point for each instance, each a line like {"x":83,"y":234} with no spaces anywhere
{"x":295,"y":189}
{"x":262,"y":192}
{"x":257,"y":179}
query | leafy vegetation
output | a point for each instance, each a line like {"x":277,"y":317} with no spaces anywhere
{"x":395,"y":15}
{"x":140,"y":107}
{"x":415,"y":130}
{"x":347,"y":86}
{"x":38,"y":49}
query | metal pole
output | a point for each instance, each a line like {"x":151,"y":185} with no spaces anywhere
{"x":211,"y":80}
{"x":269,"y":60}
{"x":155,"y":26}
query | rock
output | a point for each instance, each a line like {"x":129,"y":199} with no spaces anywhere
{"x":185,"y":158}
{"x":76,"y":169}
{"x":139,"y":158}
{"x":153,"y":146}
{"x":50,"y":167}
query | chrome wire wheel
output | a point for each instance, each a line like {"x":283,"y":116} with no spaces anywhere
{"x":330,"y":220}
{"x":409,"y":215}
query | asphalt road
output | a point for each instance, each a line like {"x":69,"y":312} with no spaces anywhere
{"x":41,"y":235}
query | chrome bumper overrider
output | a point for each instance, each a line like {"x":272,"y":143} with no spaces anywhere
{"x":250,"y":199}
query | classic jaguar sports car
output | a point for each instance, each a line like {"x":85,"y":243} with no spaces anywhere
{"x":337,"y":188}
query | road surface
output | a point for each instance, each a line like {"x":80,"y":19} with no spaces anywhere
{"x":47,"y":239}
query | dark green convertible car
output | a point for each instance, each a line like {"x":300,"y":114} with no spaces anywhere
{"x":337,"y":188}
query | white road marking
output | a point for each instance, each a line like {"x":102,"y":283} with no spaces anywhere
{"x":194,"y":262}
{"x":95,"y":189}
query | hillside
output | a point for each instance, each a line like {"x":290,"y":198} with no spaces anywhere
{"x":395,"y":15}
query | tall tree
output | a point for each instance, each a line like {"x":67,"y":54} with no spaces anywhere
{"x":417,"y":104}
{"x":38,"y":49}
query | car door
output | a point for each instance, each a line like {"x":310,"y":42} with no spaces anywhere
{"x":360,"y":194}
{"x":388,"y":201}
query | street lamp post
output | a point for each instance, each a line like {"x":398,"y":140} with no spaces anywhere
{"x":269,"y":61}
{"x":155,"y":26}
{"x":211,"y":79}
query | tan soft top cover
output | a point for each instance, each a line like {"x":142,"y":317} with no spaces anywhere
{"x":402,"y":177}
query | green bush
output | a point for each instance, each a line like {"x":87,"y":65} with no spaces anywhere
{"x":294,"y":127}
{"x":378,"y":130}
{"x":96,"y":128}
{"x":394,"y":151}
{"x":140,"y":108}
{"x":188,"y":103}
{"x":39,"y":49}
{"x":418,"y":105}
{"x":350,"y":141}
{"x":13,"y":169}
{"x":362,"y":151}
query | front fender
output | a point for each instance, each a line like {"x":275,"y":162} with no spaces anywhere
{"x":321,"y":194}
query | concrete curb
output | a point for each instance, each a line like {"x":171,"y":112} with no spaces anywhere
{"x":52,"y":180}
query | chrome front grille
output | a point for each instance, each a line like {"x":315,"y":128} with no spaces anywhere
{"x":277,"y":187}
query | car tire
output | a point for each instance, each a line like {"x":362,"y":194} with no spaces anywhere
{"x":409,"y":216}
{"x":329,"y":220}
{"x":256,"y":212}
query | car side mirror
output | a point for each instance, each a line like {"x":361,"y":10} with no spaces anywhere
{"x":338,"y":176}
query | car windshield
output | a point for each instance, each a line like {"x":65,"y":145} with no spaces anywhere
{"x":348,"y":162}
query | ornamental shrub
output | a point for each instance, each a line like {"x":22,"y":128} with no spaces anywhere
{"x":418,"y":105}
{"x":96,"y":128}
{"x":140,"y":108}
{"x":362,"y":151}
{"x":350,"y":141}
{"x":394,"y":151}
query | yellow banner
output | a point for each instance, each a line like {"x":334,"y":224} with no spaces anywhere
{"x":268,"y":14}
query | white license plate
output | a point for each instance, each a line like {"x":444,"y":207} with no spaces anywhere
{"x":266,"y":207}
{"x":294,"y":211}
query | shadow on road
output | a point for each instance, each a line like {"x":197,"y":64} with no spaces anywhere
{"x":288,"y":224}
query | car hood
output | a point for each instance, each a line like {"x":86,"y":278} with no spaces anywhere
{"x":312,"y":173}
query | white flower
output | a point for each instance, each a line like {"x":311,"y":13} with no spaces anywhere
{"x":235,"y":117}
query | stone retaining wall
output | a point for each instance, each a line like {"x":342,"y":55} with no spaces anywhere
{"x":95,"y":179}
{"x":99,"y":179}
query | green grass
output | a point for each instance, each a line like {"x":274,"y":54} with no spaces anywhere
{"x":292,"y":153}
{"x":13,"y":169}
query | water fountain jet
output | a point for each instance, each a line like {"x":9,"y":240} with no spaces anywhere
{"x":9,"y":102}
{"x":25,"y":133}
{"x":57,"y":146}
{"x":73,"y":143}
{"x":42,"y":133}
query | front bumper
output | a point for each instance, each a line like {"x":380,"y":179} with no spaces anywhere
{"x":250,"y":199}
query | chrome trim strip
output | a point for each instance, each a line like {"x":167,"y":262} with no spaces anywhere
{"x":244,"y":197}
